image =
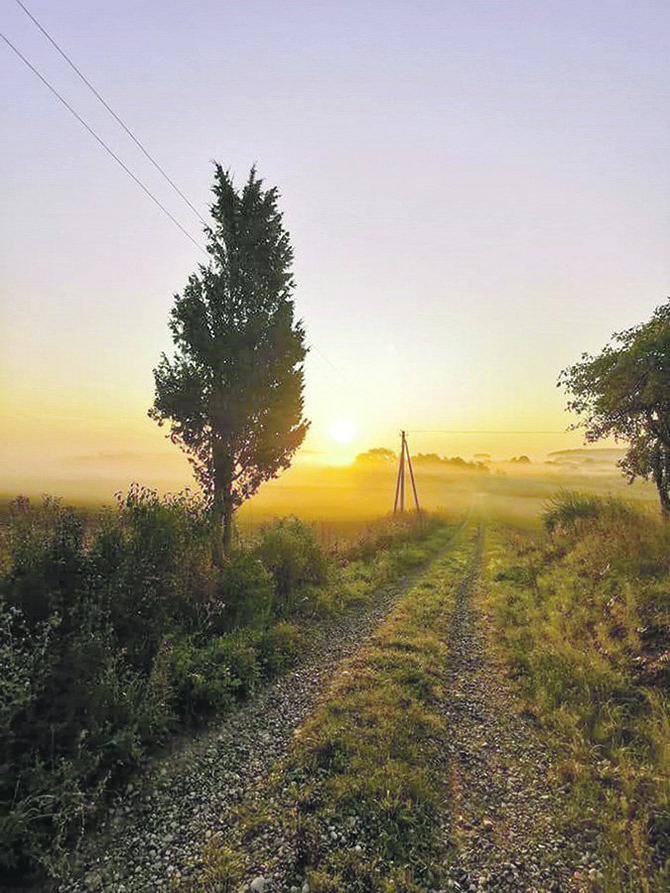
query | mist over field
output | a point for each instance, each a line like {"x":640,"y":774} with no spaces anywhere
{"x":343,"y":497}
{"x":362,"y":491}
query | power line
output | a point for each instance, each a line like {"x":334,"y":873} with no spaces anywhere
{"x":112,"y":112}
{"x":454,"y":431}
{"x":103,"y":144}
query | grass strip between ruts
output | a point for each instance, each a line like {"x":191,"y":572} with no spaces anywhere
{"x":359,"y":802}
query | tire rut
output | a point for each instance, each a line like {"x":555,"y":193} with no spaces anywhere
{"x":502,"y":824}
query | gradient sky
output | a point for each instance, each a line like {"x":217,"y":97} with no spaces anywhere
{"x":476,"y":193}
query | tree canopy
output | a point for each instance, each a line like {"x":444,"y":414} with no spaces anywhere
{"x":233,"y":391}
{"x":377,"y":455}
{"x":624,"y":392}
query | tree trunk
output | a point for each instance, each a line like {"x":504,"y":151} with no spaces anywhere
{"x":227,"y":521}
{"x":218,"y":551}
{"x":661,"y":475}
{"x":223,"y":507}
{"x":664,"y":496}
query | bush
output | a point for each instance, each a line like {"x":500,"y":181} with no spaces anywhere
{"x":153,"y":561}
{"x":208,"y":678}
{"x":568,"y":509}
{"x":279,"y":647}
{"x":293,"y":558}
{"x":245,"y":590}
{"x":48,"y":563}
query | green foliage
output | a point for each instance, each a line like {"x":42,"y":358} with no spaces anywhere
{"x":232,"y":394}
{"x":583,"y":617}
{"x":291,"y":554}
{"x":245,"y":587}
{"x":207,"y":678}
{"x":624,"y":392}
{"x":386,"y":532}
{"x":83,"y":622}
{"x":114,"y":635}
{"x":568,"y":508}
{"x":152,"y":561}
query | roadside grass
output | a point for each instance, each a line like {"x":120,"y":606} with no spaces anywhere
{"x":582,"y":616}
{"x":360,"y":800}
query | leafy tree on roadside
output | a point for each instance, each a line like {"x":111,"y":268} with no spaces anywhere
{"x":233,"y":392}
{"x":624,"y":392}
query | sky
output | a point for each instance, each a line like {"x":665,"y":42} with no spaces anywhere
{"x":476,"y":192}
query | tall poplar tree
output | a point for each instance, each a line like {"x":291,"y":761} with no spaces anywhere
{"x":233,"y":391}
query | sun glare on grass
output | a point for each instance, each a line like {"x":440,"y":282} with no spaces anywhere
{"x":342,"y":431}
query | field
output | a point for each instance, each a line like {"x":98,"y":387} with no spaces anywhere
{"x":343,"y":499}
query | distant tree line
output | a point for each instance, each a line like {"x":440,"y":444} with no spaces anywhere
{"x":381,"y":455}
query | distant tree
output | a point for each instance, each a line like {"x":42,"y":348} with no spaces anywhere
{"x":233,"y":392}
{"x":377,"y":454}
{"x":624,"y":392}
{"x":520,"y":460}
{"x":427,"y":459}
{"x":453,"y":462}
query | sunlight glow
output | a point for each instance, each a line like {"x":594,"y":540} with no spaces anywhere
{"x":342,"y":431}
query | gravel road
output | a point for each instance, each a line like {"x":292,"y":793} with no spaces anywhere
{"x":502,"y":821}
{"x":153,"y":836}
{"x":499,"y":827}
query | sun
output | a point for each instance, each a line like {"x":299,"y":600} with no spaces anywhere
{"x":342,"y":431}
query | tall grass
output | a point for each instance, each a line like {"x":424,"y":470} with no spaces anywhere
{"x":583,"y":615}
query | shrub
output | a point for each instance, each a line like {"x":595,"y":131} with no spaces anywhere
{"x":153,"y":561}
{"x":279,"y":648}
{"x":568,"y":508}
{"x":48,"y":563}
{"x":245,"y":590}
{"x":208,"y":678}
{"x":293,"y":558}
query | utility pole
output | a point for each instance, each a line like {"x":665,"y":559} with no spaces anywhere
{"x":399,"y":503}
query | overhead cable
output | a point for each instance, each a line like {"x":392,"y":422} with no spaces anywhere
{"x":111,"y":111}
{"x":454,"y":431}
{"x":104,"y":145}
